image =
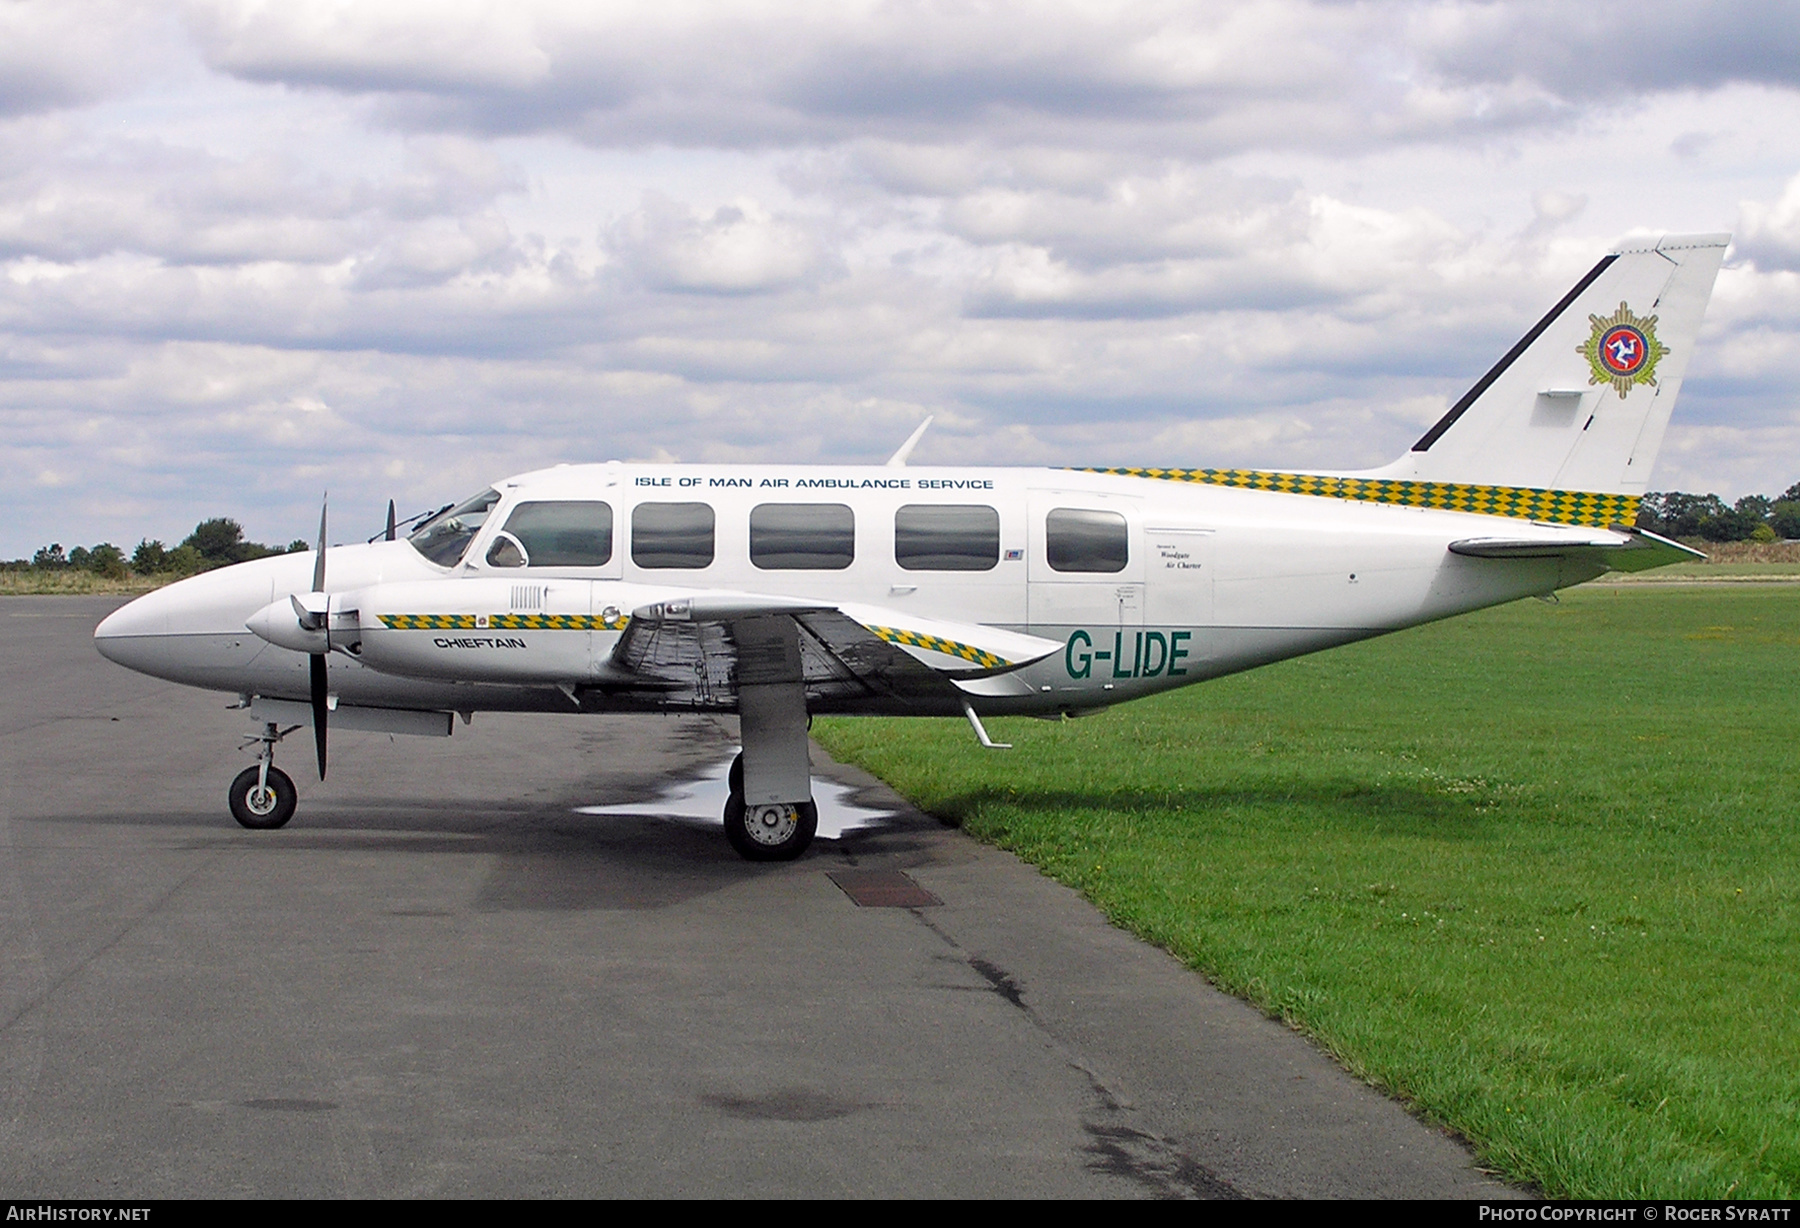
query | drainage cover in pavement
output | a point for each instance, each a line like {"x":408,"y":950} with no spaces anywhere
{"x":882,"y":889}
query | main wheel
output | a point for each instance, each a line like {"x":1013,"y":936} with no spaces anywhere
{"x":734,"y":779}
{"x":259,"y":808}
{"x":770,"y":833}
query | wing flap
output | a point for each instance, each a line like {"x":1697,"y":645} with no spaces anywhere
{"x":689,"y":651}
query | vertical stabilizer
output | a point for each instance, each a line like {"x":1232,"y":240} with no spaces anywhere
{"x":1581,"y":402}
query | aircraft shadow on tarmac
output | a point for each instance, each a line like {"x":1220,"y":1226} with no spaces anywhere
{"x":648,"y":854}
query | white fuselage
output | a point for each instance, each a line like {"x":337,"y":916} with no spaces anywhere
{"x":1211,"y":580}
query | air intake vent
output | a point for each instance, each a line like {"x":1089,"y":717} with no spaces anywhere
{"x":527,"y":597}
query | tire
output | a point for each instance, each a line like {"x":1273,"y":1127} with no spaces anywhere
{"x":734,"y":779}
{"x":759,"y":835}
{"x":263,"y":813}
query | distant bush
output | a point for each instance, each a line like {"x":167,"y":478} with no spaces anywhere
{"x":184,"y":560}
{"x":221,"y":542}
{"x":107,"y":560}
{"x":149,"y":557}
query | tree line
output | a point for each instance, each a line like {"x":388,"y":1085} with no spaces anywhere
{"x":218,"y":542}
{"x":1754,"y":518}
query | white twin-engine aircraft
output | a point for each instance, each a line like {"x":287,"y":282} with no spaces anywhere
{"x":780,"y":591}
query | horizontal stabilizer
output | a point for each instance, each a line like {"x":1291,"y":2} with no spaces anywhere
{"x":1621,"y":549}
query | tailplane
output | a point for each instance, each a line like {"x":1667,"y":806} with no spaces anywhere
{"x":1581,"y":402}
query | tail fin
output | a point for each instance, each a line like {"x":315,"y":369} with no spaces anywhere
{"x":1581,"y":402}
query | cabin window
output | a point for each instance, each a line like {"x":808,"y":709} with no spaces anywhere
{"x":802,"y":536}
{"x":946,"y":537}
{"x":1081,"y":539}
{"x":555,"y":533}
{"x":672,"y":535}
{"x":445,"y":537}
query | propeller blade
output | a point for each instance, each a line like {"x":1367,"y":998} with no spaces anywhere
{"x":319,"y":559}
{"x":321,"y":703}
{"x":391,"y":525}
{"x":320,"y":706}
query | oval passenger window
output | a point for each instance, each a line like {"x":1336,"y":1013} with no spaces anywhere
{"x":947,"y":537}
{"x":672,"y":535}
{"x":802,"y":536}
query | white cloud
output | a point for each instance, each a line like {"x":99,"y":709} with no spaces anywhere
{"x":253,"y":249}
{"x":435,"y":45}
{"x":739,"y":248}
{"x":1770,"y":232}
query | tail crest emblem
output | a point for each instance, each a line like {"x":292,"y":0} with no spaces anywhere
{"x":1623,"y":350}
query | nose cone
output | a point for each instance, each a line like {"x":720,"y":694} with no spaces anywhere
{"x":125,"y":634}
{"x":143,"y":616}
{"x":186,"y":631}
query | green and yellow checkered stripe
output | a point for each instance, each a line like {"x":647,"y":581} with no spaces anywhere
{"x":937,"y":643}
{"x":504,"y":622}
{"x":1519,"y":502}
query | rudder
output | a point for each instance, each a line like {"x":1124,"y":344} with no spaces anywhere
{"x":1582,"y":401}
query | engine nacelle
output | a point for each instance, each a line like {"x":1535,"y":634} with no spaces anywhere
{"x":482,"y":630}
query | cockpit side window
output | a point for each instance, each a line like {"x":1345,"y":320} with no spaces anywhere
{"x":555,"y":533}
{"x":446,"y":536}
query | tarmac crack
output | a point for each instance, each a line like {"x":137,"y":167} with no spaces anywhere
{"x":1157,"y":1164}
{"x":1115,"y":1145}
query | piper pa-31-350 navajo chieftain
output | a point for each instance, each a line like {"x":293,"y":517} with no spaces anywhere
{"x":780,"y":591}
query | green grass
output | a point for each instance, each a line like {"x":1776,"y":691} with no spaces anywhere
{"x":1533,"y":871}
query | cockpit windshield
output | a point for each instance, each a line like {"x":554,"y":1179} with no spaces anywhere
{"x":446,"y":536}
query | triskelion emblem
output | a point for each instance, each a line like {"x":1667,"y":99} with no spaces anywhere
{"x":1623,"y":350}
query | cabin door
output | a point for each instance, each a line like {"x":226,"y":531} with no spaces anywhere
{"x":1085,"y":562}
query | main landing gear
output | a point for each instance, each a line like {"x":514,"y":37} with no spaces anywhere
{"x":263,"y":797}
{"x":777,"y":831}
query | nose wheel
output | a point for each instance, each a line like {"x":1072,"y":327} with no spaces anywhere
{"x":263,"y":797}
{"x":779,"y":831}
{"x":263,"y":804}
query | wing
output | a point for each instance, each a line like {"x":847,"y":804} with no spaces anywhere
{"x":695,"y":650}
{"x":1619,"y":549}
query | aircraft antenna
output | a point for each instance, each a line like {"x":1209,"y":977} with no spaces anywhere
{"x":898,"y":459}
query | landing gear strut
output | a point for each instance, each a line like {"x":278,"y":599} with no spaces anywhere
{"x":777,"y":831}
{"x":263,"y":797}
{"x":770,"y":814}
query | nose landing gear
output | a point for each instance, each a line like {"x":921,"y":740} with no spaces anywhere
{"x":263,"y":797}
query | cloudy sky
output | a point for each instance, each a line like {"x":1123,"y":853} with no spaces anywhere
{"x":255,"y":250}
